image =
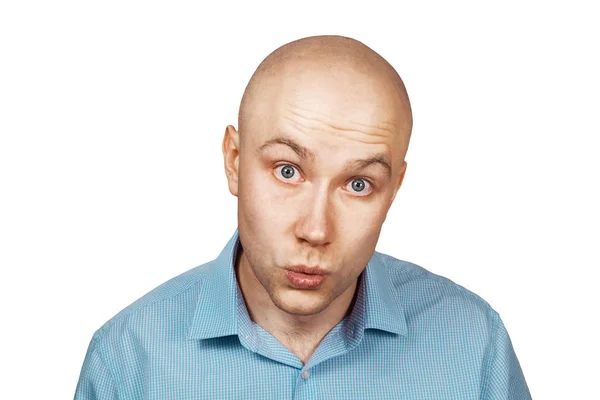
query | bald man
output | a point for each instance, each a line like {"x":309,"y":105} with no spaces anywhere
{"x":299,"y":305}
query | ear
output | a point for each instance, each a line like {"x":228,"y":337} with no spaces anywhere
{"x":399,"y":182}
{"x":231,"y":157}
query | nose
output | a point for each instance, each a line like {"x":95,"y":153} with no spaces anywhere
{"x":315,"y":223}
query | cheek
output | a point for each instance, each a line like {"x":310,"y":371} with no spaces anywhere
{"x":359,"y":230}
{"x":263,"y":202}
{"x":361,"y":219}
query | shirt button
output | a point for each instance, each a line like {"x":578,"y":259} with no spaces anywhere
{"x":305,"y":374}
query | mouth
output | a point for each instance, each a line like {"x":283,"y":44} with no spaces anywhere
{"x":304,"y":277}
{"x":303,"y":269}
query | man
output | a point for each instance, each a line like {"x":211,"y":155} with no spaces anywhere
{"x":298,"y":304}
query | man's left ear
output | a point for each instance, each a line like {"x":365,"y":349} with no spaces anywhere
{"x":398,"y":182}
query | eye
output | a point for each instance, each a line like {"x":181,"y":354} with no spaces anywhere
{"x":360,"y":186}
{"x":287,"y":173}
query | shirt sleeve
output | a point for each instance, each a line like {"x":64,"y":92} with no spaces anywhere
{"x":502,"y":376}
{"x":95,"y":381}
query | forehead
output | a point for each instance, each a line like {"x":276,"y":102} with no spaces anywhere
{"x":344,"y":96}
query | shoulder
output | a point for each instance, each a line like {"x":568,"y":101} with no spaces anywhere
{"x":123,"y":347}
{"x":424,"y":294}
{"x":169,"y":303}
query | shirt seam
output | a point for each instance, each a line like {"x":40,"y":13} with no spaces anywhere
{"x":490,"y":354}
{"x":108,"y":368}
{"x":394,"y":269}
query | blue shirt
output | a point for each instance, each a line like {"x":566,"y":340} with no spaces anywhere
{"x":410,"y":335}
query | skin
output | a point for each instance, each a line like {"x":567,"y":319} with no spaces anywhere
{"x":312,"y":108}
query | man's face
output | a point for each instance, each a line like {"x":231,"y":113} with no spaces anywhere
{"x":314,"y":188}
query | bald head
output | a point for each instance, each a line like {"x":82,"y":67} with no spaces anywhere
{"x":331,"y":63}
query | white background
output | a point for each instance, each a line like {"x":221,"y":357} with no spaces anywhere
{"x":111,"y":119}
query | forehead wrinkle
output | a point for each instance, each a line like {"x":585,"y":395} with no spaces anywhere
{"x":323,"y":119}
{"x":304,"y":128}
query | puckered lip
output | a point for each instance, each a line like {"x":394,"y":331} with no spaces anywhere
{"x":304,"y":269}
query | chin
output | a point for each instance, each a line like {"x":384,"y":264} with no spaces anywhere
{"x":305,"y":303}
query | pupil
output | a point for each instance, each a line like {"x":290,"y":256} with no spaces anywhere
{"x":358,"y":185}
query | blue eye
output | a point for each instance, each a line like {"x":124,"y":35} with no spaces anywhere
{"x":287,"y":173}
{"x":360,"y":186}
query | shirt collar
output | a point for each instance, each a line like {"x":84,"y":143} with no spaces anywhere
{"x":221,"y":311}
{"x":382,"y":306}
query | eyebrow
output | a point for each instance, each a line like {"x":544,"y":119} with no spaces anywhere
{"x":359,"y":164}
